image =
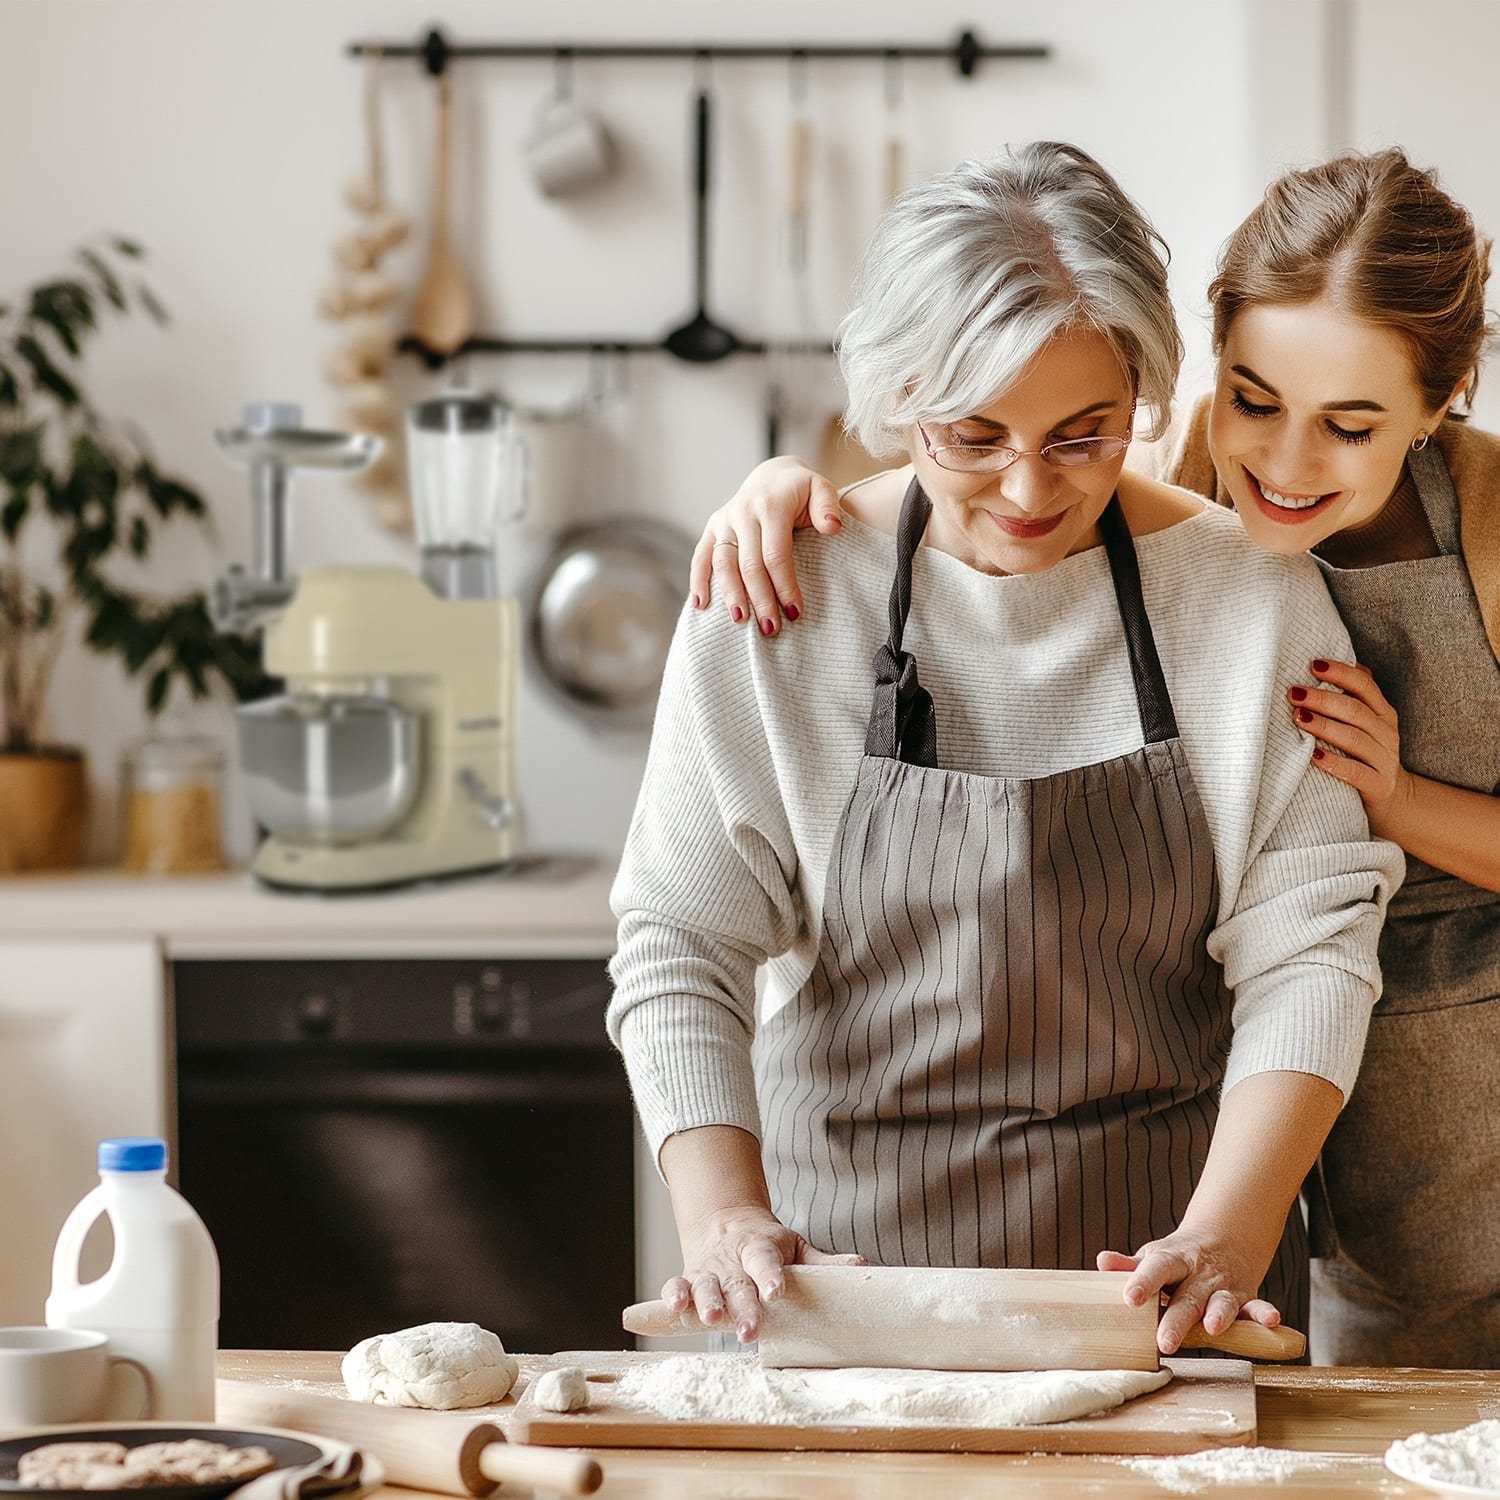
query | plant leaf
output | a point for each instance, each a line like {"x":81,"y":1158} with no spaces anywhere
{"x":108,"y":281}
{"x":148,"y":300}
{"x":46,"y":375}
{"x":21,"y":456}
{"x":127,"y":247}
{"x":12,"y":514}
{"x":140,"y":536}
{"x":156,"y":691}
{"x":10,"y":390}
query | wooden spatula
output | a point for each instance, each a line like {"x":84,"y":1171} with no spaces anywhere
{"x":931,"y":1319}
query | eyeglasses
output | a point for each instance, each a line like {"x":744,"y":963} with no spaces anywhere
{"x":991,"y":458}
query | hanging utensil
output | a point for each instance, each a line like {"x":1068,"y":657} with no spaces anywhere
{"x":602,"y":615}
{"x":700,"y":339}
{"x":443,"y":314}
{"x":791,"y":353}
{"x":895,"y":141}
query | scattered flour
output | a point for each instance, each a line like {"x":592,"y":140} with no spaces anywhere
{"x":1470,"y":1456}
{"x":736,"y":1388}
{"x":1195,"y":1472}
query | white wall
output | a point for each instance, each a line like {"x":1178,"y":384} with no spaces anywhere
{"x":219,"y":132}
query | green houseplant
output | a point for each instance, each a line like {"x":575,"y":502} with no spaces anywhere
{"x":76,"y":492}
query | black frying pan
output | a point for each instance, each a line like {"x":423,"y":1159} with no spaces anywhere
{"x":288,"y":1452}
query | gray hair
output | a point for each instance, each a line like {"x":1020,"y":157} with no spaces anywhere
{"x":967,"y":277}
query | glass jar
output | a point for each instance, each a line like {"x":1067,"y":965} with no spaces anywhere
{"x":170,"y":788}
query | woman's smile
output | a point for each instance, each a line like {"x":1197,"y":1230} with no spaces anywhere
{"x":1289,"y":507}
{"x":1022,"y":528}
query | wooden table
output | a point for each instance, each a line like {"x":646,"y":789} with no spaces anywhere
{"x":1342,"y":1420}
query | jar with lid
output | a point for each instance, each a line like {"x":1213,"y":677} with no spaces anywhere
{"x":170,"y":789}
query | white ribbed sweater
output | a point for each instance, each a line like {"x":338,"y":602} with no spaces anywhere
{"x":757,"y":741}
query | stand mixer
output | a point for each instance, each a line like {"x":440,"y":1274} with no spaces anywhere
{"x":390,"y":757}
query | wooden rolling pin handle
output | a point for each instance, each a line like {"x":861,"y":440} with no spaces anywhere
{"x":658,"y":1320}
{"x":1250,"y":1341}
{"x":553,"y":1469}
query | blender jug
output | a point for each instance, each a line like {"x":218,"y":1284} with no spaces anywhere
{"x":468,"y":473}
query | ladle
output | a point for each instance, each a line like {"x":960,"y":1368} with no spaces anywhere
{"x":701,"y":340}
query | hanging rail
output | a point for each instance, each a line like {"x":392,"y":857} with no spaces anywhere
{"x":436,"y":52}
{"x":965,"y":53}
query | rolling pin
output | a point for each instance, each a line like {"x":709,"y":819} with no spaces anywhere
{"x":921,"y":1318}
{"x":424,"y":1450}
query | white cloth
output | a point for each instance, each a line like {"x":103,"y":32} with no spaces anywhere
{"x":757,"y":740}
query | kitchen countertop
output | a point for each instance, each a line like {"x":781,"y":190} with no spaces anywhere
{"x":554,"y":906}
{"x":1347,"y":1417}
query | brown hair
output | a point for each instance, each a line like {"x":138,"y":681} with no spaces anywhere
{"x":1382,"y":239}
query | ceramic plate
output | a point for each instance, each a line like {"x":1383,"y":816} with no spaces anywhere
{"x":1399,"y":1463}
{"x":288,"y":1451}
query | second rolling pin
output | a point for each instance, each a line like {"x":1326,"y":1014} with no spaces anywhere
{"x":425,"y":1450}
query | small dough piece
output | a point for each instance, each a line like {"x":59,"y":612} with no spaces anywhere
{"x":441,"y":1366}
{"x":71,"y":1466}
{"x":563,"y":1389}
{"x":192,"y":1461}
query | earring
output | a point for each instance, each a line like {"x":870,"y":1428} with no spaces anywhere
{"x":1419,"y":442}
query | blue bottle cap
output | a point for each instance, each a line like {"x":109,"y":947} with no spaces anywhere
{"x":132,"y":1153}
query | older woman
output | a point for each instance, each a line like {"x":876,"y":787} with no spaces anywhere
{"x":1067,"y":879}
{"x":1349,"y":320}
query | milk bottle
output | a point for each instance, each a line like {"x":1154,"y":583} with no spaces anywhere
{"x":159,"y":1299}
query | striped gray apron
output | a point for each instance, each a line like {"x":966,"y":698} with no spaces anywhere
{"x":1407,"y":1225}
{"x":1010,"y":1048}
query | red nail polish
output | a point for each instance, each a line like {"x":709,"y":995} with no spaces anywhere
{"x":736,"y":614}
{"x":793,"y":613}
{"x":1298,"y":694}
{"x":1320,"y":665}
{"x":1318,"y":753}
{"x":1304,"y":715}
{"x":696,"y":605}
{"x":768,"y":627}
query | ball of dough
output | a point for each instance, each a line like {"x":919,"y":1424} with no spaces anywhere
{"x":437,"y":1365}
{"x":563,"y":1389}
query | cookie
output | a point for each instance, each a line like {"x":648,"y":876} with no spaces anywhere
{"x":71,"y":1466}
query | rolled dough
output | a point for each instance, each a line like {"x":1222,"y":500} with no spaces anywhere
{"x":735,"y":1388}
{"x":442,"y":1366}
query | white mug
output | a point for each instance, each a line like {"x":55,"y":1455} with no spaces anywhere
{"x":51,"y":1375}
{"x":567,"y":148}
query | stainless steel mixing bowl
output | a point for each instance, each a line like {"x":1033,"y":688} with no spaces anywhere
{"x":328,"y":769}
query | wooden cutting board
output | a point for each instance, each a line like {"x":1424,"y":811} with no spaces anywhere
{"x":1210,"y":1403}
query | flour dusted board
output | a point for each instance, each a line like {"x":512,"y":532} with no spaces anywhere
{"x":1210,"y":1403}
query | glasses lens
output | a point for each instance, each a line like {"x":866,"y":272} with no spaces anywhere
{"x":971,"y":458}
{"x":1084,"y":451}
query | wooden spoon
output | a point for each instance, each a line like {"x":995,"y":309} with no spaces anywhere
{"x":443,"y":314}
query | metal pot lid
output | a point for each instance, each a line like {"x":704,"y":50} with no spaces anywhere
{"x":603,"y":612}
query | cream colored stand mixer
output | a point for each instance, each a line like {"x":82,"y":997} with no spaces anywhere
{"x":391,"y":756}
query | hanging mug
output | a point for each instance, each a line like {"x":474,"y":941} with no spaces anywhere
{"x":568,"y":149}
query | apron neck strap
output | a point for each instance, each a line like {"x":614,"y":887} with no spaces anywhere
{"x":902,"y":724}
{"x":1429,"y":472}
{"x":1153,"y":702}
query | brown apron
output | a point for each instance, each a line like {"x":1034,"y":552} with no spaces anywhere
{"x":1406,"y":1204}
{"x":1010,"y":1048}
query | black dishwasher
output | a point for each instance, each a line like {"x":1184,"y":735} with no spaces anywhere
{"x":377,"y":1143}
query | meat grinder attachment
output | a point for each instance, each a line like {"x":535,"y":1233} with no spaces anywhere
{"x":271,"y":442}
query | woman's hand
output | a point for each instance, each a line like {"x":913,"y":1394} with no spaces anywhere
{"x":734,"y":1263}
{"x":1209,"y":1280}
{"x":1359,"y":724}
{"x":747,"y":544}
